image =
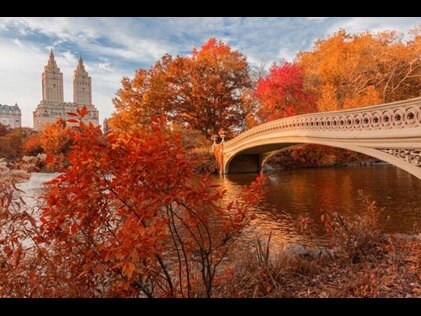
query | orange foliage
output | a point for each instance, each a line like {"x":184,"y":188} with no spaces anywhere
{"x":12,"y":141}
{"x":54,"y":138}
{"x":32,"y":146}
{"x":349,"y":71}
{"x":11,"y":144}
{"x":55,"y":141}
{"x":203,"y":91}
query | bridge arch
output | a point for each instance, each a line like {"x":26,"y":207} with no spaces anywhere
{"x":261,"y":158}
{"x":388,"y":132}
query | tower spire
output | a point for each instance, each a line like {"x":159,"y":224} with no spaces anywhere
{"x":80,"y":69}
{"x":82,"y":85}
{"x":52,"y":81}
{"x":51,"y":60}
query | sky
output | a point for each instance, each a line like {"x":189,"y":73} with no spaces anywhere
{"x":113,"y":48}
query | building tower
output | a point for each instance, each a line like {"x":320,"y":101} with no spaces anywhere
{"x":52,"y":105}
{"x":82,"y":85}
{"x":52,"y":82}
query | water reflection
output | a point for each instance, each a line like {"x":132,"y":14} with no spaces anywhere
{"x":313,"y":191}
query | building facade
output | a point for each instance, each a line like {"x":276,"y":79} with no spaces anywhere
{"x":53,"y":106}
{"x":10,"y":115}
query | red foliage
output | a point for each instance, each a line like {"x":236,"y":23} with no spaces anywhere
{"x":282,"y":93}
{"x":131,"y":218}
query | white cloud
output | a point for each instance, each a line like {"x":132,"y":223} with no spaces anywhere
{"x":287,"y":54}
{"x":18,"y":43}
{"x":104,"y":66}
{"x":114,"y":43}
{"x":22,"y":82}
{"x":374,"y":24}
{"x":316,"y":18}
{"x":121,"y":33}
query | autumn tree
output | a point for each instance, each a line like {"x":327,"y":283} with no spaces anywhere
{"x":399,"y":66}
{"x":212,"y":96}
{"x":54,"y":138}
{"x":347,"y":71}
{"x":130,"y":218}
{"x":282,"y":93}
{"x":54,"y":141}
{"x":3,"y":130}
{"x":11,"y":142}
{"x":32,"y":145}
{"x":204,"y":91}
{"x":141,"y":98}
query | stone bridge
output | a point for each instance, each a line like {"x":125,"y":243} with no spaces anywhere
{"x":390,"y":132}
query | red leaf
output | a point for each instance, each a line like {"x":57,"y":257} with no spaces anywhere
{"x":83,"y":111}
{"x":73,"y":228}
{"x":100,"y":268}
{"x":18,"y":254}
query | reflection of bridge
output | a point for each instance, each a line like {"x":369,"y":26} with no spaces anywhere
{"x":389,"y":132}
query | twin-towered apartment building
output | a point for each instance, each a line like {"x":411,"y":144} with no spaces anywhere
{"x":52,"y":105}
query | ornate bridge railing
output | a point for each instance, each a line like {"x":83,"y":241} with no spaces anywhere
{"x":396,"y":115}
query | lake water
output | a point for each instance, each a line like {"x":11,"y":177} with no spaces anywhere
{"x":291,"y":194}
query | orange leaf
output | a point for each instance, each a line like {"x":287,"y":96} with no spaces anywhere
{"x":128,"y":269}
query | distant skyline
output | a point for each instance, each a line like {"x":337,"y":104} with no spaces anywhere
{"x":115,"y":47}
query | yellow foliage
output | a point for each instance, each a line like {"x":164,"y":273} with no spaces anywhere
{"x":348,"y":71}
